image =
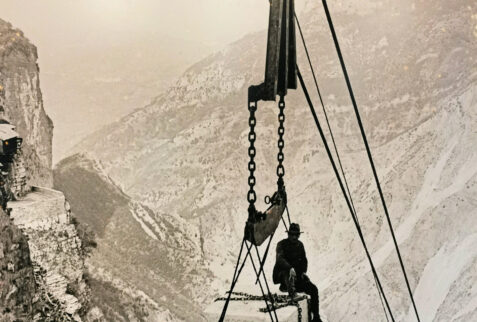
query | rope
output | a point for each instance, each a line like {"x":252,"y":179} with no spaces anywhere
{"x":236,"y":276}
{"x":260,"y":283}
{"x":288,"y":215}
{"x":234,"y":280}
{"x":266,"y":284}
{"x":284,"y":223}
{"x":381,"y":299}
{"x":238,"y":260}
{"x":355,"y":214}
{"x":335,"y":169}
{"x":262,"y":262}
{"x":368,"y":151}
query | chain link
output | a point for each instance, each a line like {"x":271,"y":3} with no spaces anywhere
{"x":252,"y":122}
{"x":251,"y":195}
{"x":281,"y":141}
{"x":299,"y":312}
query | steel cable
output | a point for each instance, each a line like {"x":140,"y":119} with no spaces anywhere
{"x":335,"y":169}
{"x":334,"y":143}
{"x":368,"y":151}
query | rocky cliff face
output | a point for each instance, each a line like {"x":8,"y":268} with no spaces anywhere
{"x":41,"y":268}
{"x":413,"y":71}
{"x":55,"y":248}
{"x":41,"y":259}
{"x":20,"y":96}
{"x":17,"y":282}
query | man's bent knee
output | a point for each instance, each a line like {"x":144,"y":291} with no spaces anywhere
{"x":312,"y":289}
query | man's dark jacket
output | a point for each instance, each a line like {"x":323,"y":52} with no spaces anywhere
{"x":289,"y":254}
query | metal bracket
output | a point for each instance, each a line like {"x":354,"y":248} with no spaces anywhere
{"x":280,"y":68}
{"x":260,"y":225}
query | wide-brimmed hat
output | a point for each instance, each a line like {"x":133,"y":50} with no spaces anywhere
{"x":294,"y":229}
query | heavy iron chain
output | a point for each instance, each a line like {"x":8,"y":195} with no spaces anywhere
{"x":241,"y":296}
{"x":252,"y":122}
{"x":281,"y":142}
{"x":299,"y":311}
{"x":251,"y":195}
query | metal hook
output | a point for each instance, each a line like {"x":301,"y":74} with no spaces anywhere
{"x":267,"y":200}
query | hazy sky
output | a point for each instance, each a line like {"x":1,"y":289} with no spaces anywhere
{"x":213,"y":22}
{"x":100,"y":59}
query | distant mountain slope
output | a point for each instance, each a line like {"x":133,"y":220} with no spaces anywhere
{"x":147,"y":250}
{"x":101,"y":80}
{"x":414,"y":75}
{"x":399,"y":77}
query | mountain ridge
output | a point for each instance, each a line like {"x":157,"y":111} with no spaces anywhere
{"x":186,"y":152}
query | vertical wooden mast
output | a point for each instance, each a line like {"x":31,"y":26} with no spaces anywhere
{"x":280,"y":68}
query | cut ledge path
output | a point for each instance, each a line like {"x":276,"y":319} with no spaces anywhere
{"x":53,"y":241}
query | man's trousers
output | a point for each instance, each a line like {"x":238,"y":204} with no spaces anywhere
{"x":306,"y":286}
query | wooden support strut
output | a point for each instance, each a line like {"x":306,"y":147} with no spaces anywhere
{"x":280,"y":68}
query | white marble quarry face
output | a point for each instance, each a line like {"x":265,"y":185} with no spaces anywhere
{"x":248,"y":311}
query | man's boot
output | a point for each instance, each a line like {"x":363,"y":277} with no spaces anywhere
{"x":316,"y":318}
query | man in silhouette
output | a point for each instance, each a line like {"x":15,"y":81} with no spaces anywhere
{"x":290,"y":268}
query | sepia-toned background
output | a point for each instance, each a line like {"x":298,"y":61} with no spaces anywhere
{"x":148,"y":100}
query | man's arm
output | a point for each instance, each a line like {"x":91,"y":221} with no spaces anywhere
{"x":305,"y":260}
{"x":281,"y":261}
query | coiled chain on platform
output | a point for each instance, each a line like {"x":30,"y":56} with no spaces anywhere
{"x":280,"y":301}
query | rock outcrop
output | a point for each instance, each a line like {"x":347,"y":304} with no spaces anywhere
{"x":21,"y":97}
{"x":41,"y":256}
{"x":17,"y":282}
{"x":55,"y":248}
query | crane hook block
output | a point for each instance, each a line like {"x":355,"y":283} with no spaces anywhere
{"x":260,"y":226}
{"x":280,"y":68}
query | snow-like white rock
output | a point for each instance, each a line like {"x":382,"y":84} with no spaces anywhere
{"x":248,"y":311}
